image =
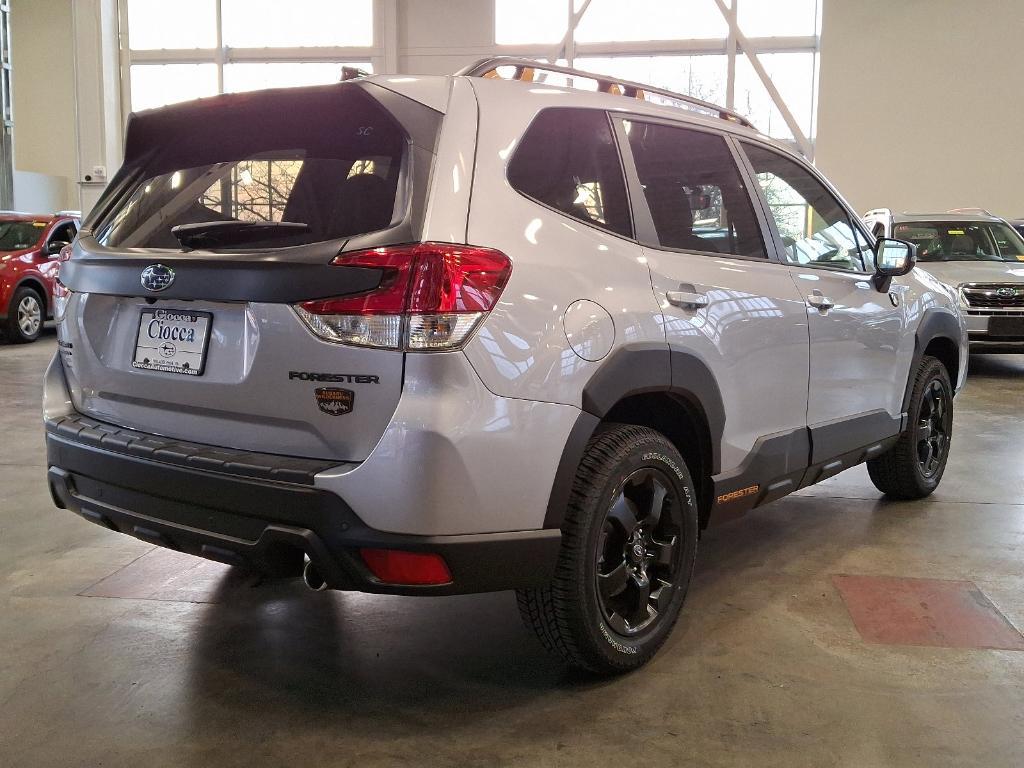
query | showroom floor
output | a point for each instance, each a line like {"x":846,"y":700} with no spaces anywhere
{"x":113,"y":653}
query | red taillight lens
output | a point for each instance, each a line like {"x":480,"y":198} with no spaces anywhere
{"x":393,"y":566}
{"x":431,"y":296}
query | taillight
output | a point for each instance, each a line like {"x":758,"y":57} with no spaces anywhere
{"x":393,"y":566}
{"x":431,"y":297}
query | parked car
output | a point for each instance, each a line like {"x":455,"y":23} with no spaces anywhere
{"x":978,"y":254}
{"x":437,"y":335}
{"x":29,"y":248}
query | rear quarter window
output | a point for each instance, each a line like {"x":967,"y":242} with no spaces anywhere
{"x":568,"y":161}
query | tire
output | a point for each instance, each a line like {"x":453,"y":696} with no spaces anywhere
{"x":25,"y":316}
{"x":913,"y":467}
{"x":594,"y":613}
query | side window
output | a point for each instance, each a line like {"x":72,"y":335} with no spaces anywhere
{"x":814,"y":227}
{"x":567,"y":159}
{"x":694,"y":190}
{"x":867,"y":253}
{"x":63,"y":233}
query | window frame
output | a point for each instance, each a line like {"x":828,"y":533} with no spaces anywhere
{"x":57,"y":227}
{"x":856,"y":225}
{"x":632,"y":238}
{"x":643,"y":222}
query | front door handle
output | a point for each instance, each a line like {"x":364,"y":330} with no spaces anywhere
{"x":819,"y":302}
{"x":687,"y":299}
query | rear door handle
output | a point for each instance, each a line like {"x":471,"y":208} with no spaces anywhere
{"x":820,"y":302}
{"x":687,"y":299}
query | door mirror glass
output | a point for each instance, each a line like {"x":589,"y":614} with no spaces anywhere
{"x":53,"y":248}
{"x":894,"y":257}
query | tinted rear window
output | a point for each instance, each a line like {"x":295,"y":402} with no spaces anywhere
{"x":568,"y":161}
{"x":327,"y":158}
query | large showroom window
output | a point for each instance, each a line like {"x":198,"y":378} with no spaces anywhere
{"x":683,"y":45}
{"x":191,"y":48}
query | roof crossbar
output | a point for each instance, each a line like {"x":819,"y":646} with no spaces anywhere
{"x":527,"y":69}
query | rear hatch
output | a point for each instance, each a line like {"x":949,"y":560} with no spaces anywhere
{"x":185,"y":317}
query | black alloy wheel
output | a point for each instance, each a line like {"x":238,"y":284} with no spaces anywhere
{"x":629,"y":543}
{"x":638,"y":555}
{"x":913,"y":467}
{"x":933,"y":427}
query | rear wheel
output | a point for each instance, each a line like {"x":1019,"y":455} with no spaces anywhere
{"x":628,"y":549}
{"x":25,"y":316}
{"x":913,"y":467}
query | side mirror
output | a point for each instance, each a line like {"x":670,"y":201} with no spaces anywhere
{"x":53,"y":248}
{"x":893,"y":258}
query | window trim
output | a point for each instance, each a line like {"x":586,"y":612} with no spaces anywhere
{"x":647,"y":234}
{"x":622,"y":169}
{"x":855,"y":222}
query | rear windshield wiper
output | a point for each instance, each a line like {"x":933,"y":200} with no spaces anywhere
{"x":210,"y":234}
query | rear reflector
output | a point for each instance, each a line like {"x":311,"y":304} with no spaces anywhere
{"x":393,"y":566}
{"x":431,"y":296}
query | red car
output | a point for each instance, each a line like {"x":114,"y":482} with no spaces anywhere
{"x":29,"y":251}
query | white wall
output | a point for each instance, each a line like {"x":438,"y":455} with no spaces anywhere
{"x":921,"y":103}
{"x":44,"y":102}
{"x":442,"y":36}
{"x":39,"y":192}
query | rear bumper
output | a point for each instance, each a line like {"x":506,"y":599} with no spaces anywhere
{"x":238,"y":510}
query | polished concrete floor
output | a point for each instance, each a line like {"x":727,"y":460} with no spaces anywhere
{"x":188,"y":666}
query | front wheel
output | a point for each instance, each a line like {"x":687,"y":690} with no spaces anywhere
{"x":628,"y":548}
{"x":913,"y":467}
{"x":25,"y":316}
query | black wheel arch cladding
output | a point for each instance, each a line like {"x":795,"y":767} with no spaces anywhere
{"x":936,"y":324}
{"x":633,"y":370}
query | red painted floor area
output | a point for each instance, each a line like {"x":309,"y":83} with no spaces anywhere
{"x":935,"y":612}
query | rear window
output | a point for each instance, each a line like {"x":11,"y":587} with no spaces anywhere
{"x":267,"y":172}
{"x":568,"y":160}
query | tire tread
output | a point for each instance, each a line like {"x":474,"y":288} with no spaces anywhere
{"x":552,"y":612}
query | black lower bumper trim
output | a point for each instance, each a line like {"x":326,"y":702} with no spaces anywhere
{"x":268,"y":525}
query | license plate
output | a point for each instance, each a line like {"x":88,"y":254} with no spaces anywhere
{"x":172,"y":341}
{"x":1006,"y":326}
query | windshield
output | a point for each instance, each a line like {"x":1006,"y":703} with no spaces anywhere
{"x":962,"y":241}
{"x":18,"y":235}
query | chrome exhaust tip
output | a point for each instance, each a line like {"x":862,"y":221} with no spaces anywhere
{"x":312,"y":578}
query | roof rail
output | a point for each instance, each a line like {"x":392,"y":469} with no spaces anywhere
{"x":352,"y":73}
{"x":68,"y":213}
{"x":527,"y":69}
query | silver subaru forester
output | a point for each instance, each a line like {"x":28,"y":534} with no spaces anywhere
{"x":519,"y":328}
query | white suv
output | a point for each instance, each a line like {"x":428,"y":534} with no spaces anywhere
{"x":979,"y":255}
{"x":435,"y":335}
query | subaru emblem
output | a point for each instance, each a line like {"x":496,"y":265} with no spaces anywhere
{"x":1007,"y":293}
{"x":157,"y":277}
